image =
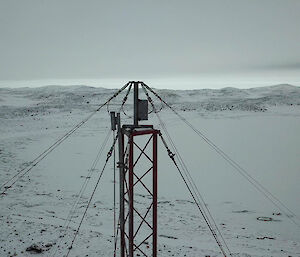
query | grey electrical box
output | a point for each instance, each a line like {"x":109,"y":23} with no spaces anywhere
{"x":143,"y":110}
{"x":113,"y":121}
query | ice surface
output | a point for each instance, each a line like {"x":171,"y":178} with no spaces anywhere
{"x":257,"y":127}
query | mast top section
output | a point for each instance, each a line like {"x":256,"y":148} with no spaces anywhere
{"x":140,"y":108}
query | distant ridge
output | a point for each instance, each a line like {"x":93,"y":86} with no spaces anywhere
{"x":80,"y":97}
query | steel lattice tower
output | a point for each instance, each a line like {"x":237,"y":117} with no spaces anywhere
{"x":138,"y":178}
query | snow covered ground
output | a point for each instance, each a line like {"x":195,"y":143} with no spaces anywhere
{"x":258,"y":127}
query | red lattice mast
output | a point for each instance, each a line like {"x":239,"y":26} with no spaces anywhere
{"x":138,"y":180}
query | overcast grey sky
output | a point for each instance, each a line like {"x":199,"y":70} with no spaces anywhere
{"x":57,"y":39}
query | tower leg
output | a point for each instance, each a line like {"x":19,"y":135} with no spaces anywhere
{"x":130,"y":195}
{"x":122,"y":178}
{"x":154,"y":254}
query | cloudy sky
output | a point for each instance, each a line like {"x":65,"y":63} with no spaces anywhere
{"x":97,"y":39}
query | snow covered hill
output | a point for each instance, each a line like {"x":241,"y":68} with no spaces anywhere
{"x":57,"y":98}
{"x":258,"y":127}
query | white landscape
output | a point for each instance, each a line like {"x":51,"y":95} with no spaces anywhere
{"x":257,"y":127}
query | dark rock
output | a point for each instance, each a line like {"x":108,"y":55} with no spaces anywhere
{"x":34,"y":248}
